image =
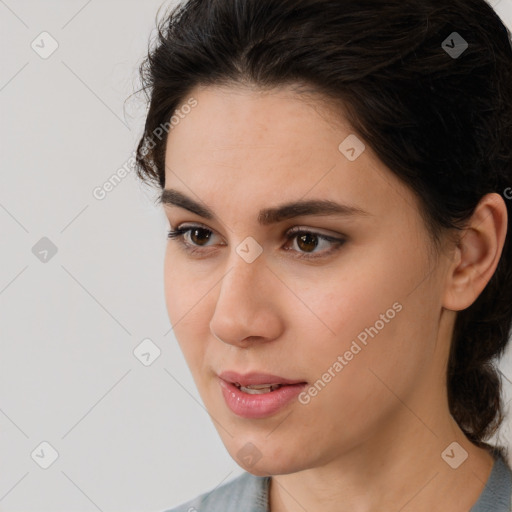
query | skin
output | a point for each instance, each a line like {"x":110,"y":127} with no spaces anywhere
{"x":372,"y":439}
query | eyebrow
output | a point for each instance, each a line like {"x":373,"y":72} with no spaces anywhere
{"x":268,"y":215}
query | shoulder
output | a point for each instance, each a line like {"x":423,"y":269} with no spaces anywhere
{"x":497,"y":495}
{"x":246,"y":493}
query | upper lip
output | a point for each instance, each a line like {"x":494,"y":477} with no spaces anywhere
{"x":255,"y":378}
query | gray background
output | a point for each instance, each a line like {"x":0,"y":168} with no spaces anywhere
{"x":129,"y":437}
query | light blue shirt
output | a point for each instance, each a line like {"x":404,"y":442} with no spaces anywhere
{"x":249,"y":493}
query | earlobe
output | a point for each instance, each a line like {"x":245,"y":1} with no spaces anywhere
{"x":477,"y":253}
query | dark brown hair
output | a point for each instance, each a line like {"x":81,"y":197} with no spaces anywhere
{"x":441,"y":122}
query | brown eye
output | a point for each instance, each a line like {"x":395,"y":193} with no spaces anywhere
{"x":194,"y":236}
{"x":307,"y":242}
{"x":200,"y":236}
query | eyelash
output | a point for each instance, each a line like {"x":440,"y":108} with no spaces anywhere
{"x":179,"y":233}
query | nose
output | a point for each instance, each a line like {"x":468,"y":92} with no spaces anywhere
{"x":247,"y":308}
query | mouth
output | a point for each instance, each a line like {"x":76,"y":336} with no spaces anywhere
{"x":258,"y":395}
{"x":258,"y":389}
{"x":256,"y":382}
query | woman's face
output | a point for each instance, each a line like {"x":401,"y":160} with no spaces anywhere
{"x":353,"y":320}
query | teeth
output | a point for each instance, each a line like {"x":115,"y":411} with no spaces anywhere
{"x":258,"y":389}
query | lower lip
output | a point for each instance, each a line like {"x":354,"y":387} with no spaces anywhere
{"x":261,"y":405}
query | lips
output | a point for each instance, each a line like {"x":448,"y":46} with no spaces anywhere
{"x":258,"y":395}
{"x":256,"y":379}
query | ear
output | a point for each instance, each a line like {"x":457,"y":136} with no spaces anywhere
{"x":477,"y":253}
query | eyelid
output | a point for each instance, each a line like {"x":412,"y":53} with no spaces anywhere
{"x":185,"y":226}
{"x":315,"y":231}
{"x":294,"y":229}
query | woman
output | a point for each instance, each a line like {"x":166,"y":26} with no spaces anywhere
{"x":336,"y":175}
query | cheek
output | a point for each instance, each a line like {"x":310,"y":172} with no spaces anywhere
{"x":342,"y":307}
{"x":352,"y":396}
{"x":368,"y":317}
{"x":182,"y":292}
{"x":382,"y":357}
{"x":183,"y":306}
{"x":189,"y":308}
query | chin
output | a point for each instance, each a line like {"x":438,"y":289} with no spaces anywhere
{"x":261,"y":458}
{"x":269,"y":468}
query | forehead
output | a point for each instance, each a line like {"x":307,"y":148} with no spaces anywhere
{"x":247,"y":113}
{"x":246,"y":129}
{"x":254,"y":148}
